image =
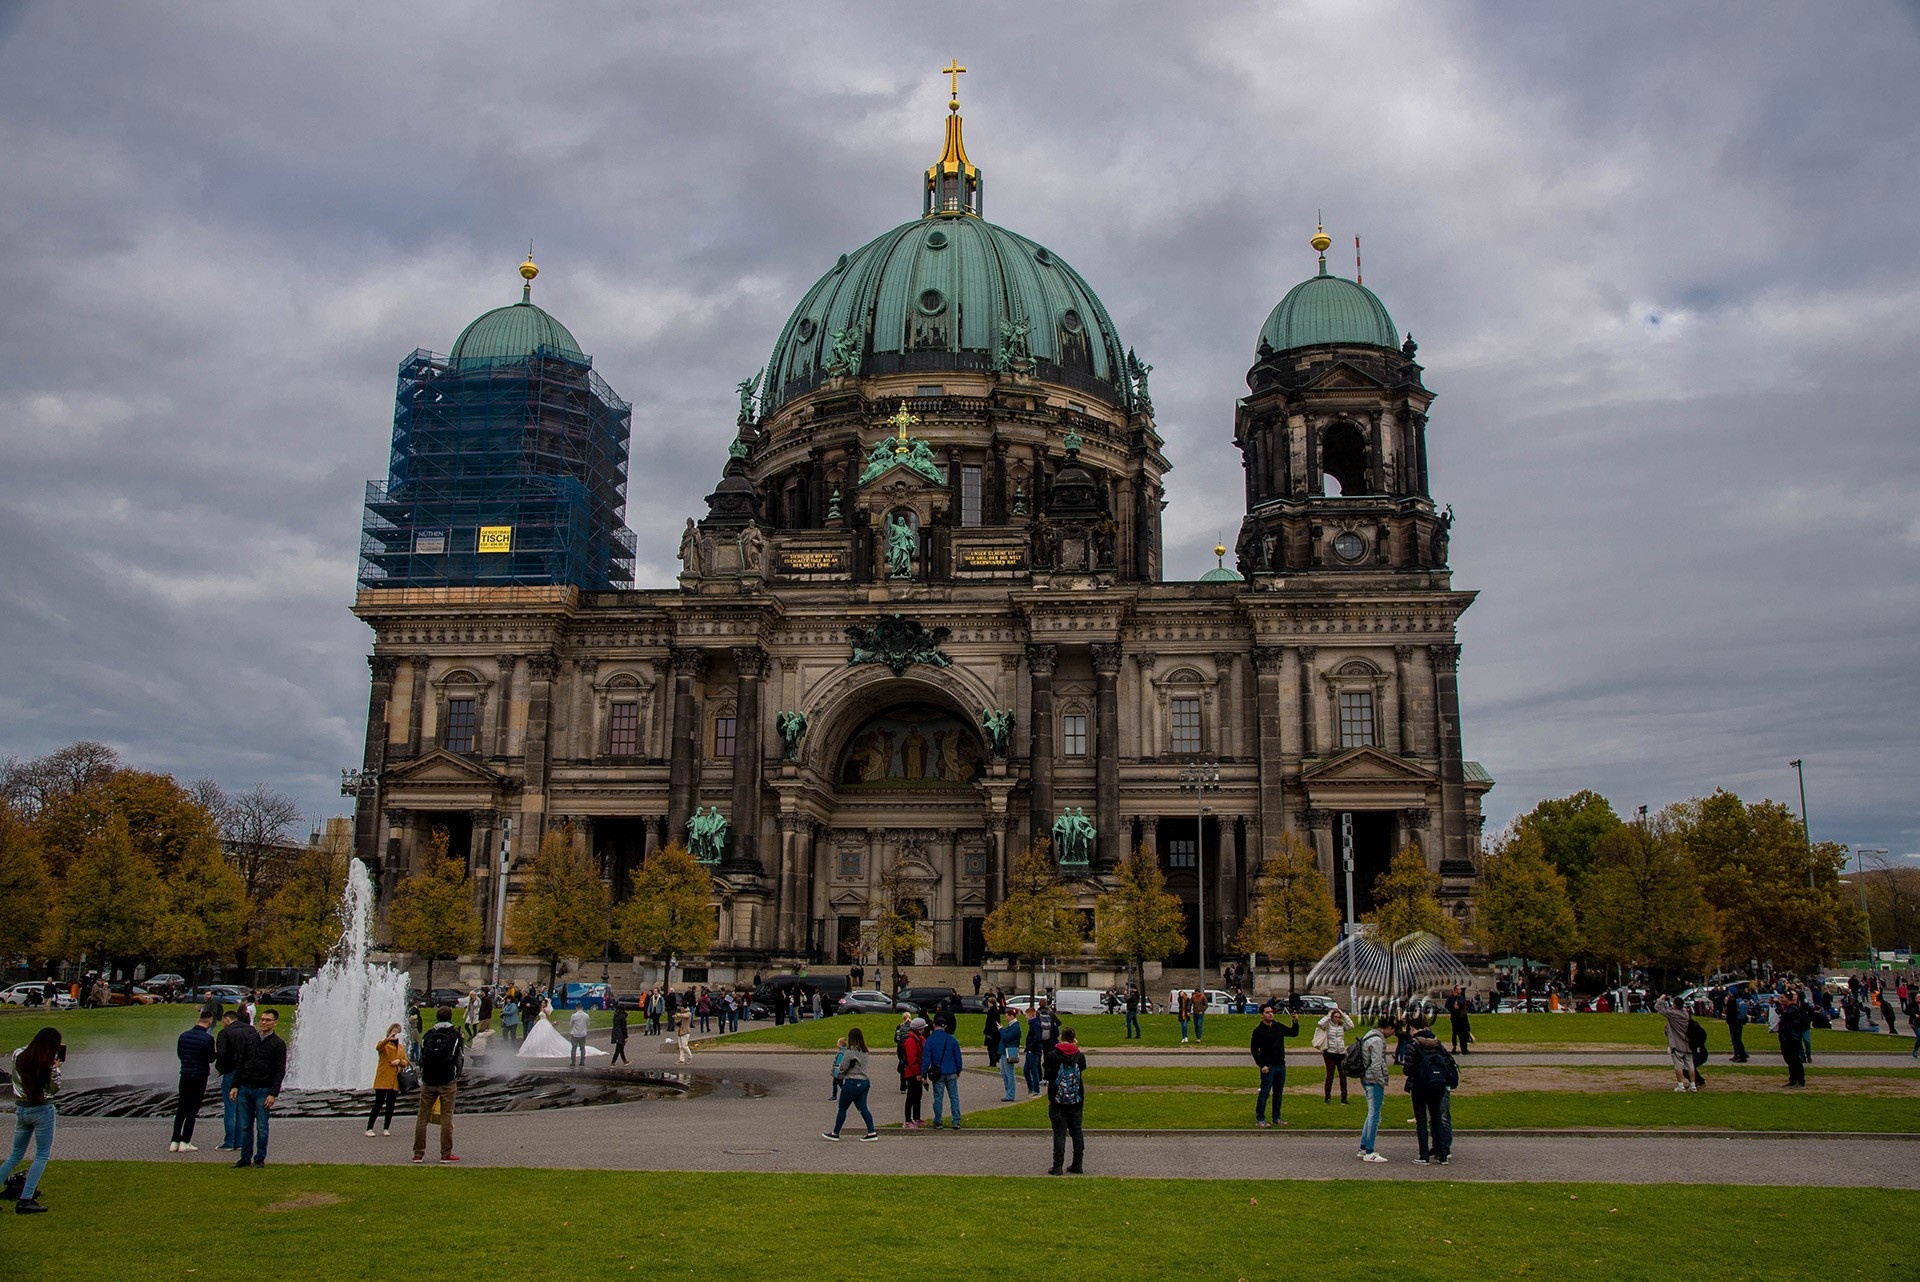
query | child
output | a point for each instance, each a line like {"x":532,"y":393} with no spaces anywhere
{"x":833,"y":1091}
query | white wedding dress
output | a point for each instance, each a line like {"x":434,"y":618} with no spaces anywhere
{"x":547,"y":1042}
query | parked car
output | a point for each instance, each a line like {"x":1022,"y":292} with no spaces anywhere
{"x":168,"y":983}
{"x":830,"y":987}
{"x":927,"y":1000}
{"x":1311,"y":1003}
{"x":867,"y":1001}
{"x":285,"y":995}
{"x":1080,"y":1001}
{"x":37,"y":992}
{"x":224,"y":994}
{"x":126,"y":994}
{"x":444,"y":997}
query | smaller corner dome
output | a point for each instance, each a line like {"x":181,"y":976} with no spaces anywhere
{"x":1221,"y":574}
{"x":1328,"y":309}
{"x":514,"y":332}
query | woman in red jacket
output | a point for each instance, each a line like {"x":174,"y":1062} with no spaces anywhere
{"x":913,"y":1070}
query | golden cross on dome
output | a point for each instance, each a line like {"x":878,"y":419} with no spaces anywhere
{"x":953,"y":71}
{"x":901,"y":422}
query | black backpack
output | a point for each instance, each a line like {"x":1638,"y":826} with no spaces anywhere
{"x":440,"y":1051}
{"x":1437,"y":1069}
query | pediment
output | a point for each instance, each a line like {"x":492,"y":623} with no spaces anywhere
{"x":849,"y":898}
{"x":1366,"y":766}
{"x":1342,"y":375}
{"x":438,"y":766}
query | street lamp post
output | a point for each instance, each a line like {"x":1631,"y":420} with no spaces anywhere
{"x":1200,"y":778}
{"x":1806,"y":833}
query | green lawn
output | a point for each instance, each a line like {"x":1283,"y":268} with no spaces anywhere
{"x":1215,"y":1107}
{"x":1230,"y":1032}
{"x":343,"y":1222}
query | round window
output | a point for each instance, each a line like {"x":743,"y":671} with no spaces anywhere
{"x":1041,"y":256}
{"x":932,"y":302}
{"x":805,"y":330}
{"x":841,"y":265}
{"x":936,"y":240}
{"x":1349,"y":546}
{"x":1070,"y":321}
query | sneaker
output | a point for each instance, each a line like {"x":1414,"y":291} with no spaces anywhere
{"x":1053,"y":1170}
{"x":417,"y":1159}
{"x":1419,"y":1161}
{"x":189,"y":1148}
{"x":829,"y":1135}
{"x":382,"y":1132}
{"x":259,"y":1161}
{"x":1183,"y":1041}
{"x":29,"y":1206}
{"x":1074,"y":1170}
{"x":870,"y":1137}
{"x":1265,"y":1126}
{"x":173,"y":1146}
{"x":1362,"y":1155}
{"x":243,"y":1162}
{"x":449,"y":1157}
{"x":369,"y":1131}
{"x":1373,"y":1157}
{"x":1440,"y":1161}
{"x":955,"y":1126}
{"x":1679,"y":1088}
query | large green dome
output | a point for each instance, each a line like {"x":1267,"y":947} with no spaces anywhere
{"x":514,"y":333}
{"x":935,"y":294}
{"x":1328,"y":309}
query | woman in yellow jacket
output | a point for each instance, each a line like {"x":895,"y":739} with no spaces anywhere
{"x":389,"y":1057}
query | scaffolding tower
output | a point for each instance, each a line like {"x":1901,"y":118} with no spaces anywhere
{"x":503,"y":473}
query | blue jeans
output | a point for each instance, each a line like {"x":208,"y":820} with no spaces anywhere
{"x":1272,"y":1082}
{"x":229,"y":1113}
{"x":1376,"y":1099}
{"x":1199,"y":1026}
{"x":1009,"y":1068}
{"x":1183,"y":1028}
{"x":1033,"y":1071}
{"x":1133,"y":1023}
{"x":35,"y":1121}
{"x":254,"y":1116}
{"x":950,"y":1083}
{"x":1433,"y":1115}
{"x":853,"y":1094}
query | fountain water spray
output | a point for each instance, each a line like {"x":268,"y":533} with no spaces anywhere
{"x":347,"y":1008}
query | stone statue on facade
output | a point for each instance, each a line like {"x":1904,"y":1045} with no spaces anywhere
{"x":845,"y":347}
{"x":793,"y":728}
{"x":1137,"y":371}
{"x":901,"y":542}
{"x":1073,"y":836}
{"x":898,"y":643}
{"x":753,"y":550}
{"x":707,"y":835}
{"x":690,"y":550}
{"x":1010,"y":350}
{"x":998,"y":723}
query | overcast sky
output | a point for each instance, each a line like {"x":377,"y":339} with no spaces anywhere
{"x":1660,"y":261}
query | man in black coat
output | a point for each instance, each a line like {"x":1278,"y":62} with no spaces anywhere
{"x":1736,"y":1012}
{"x":619,"y":1034}
{"x":230,"y":1050}
{"x":195,"y":1050}
{"x":1796,"y":1017}
{"x":1269,"y":1049}
{"x":1458,"y":1016}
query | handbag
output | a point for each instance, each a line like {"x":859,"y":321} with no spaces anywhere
{"x":1320,"y":1038}
{"x":409,"y":1081}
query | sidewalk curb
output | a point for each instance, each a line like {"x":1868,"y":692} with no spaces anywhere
{"x":1515,"y":1133}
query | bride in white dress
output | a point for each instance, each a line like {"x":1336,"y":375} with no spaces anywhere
{"x":544,"y":1041}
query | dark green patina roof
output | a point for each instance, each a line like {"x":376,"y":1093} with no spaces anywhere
{"x":1328,"y":309}
{"x":963,"y":276}
{"x":1221,"y":574}
{"x":514,"y":332}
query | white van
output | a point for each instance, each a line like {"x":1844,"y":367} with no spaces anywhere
{"x":1081,"y":1001}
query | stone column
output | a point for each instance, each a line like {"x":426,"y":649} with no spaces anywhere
{"x":785,"y":884}
{"x":416,"y":708}
{"x":366,"y":803}
{"x":1318,"y":825}
{"x":1309,"y":731}
{"x":1453,"y":789}
{"x":1106,"y":791}
{"x":750,"y":663}
{"x":1145,"y":661}
{"x":996,"y":825}
{"x":1270,"y":746}
{"x":585,"y":734}
{"x":480,"y":866}
{"x":1228,"y":894}
{"x":1040,"y":663}
{"x":946,"y":896}
{"x":1402,"y":686}
{"x":541,"y":669}
{"x":1229,"y":733}
{"x":689,"y":666}
{"x":508,"y":664}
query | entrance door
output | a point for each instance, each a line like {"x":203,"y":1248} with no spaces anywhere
{"x":973,"y":941}
{"x":1372,"y":852}
{"x":847,"y":946}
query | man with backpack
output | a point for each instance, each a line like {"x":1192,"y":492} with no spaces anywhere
{"x":441,"y":1051}
{"x":1043,"y":1031}
{"x":1066,"y":1068}
{"x":1433,"y":1074}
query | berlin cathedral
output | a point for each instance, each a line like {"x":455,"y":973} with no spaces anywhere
{"x":921,"y":621}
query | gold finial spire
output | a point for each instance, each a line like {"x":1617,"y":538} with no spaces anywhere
{"x":527,"y":272}
{"x":953,"y":184}
{"x":901,"y":422}
{"x":1320,"y":242}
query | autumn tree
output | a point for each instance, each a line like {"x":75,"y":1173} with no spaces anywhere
{"x":1569,"y":830}
{"x":203,"y":911}
{"x":1406,"y":898}
{"x":1293,"y":918}
{"x":31,"y":786}
{"x":432,"y":915}
{"x":1776,"y":898}
{"x":1038,"y":919}
{"x":563,"y":908}
{"x":895,"y":924}
{"x":24,"y":888}
{"x":109,"y":901}
{"x":670,"y":911}
{"x":1893,"y":902}
{"x":302,"y":921}
{"x":1642,"y":906}
{"x":1139,"y":919}
{"x":1522,"y":908}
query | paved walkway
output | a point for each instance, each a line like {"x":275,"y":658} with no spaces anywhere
{"x":780,"y":1131}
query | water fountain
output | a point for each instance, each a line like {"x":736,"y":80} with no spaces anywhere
{"x":347,"y":1008}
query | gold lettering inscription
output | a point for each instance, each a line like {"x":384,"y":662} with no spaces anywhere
{"x":800,"y":562}
{"x":993,"y":558}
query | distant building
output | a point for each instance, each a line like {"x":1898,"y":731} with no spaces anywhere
{"x":922,"y":619}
